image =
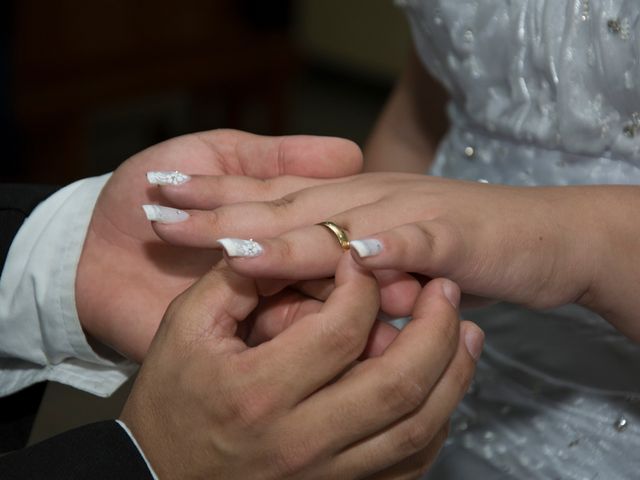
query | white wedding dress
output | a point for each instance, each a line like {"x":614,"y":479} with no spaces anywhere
{"x":544,"y":92}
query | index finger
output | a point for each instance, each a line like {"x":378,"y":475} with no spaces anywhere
{"x":315,"y":349}
{"x":208,"y":312}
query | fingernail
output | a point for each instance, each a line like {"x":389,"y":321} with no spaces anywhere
{"x":167,"y":178}
{"x":452,"y":292}
{"x":474,"y":341}
{"x":367,"y":247}
{"x":238,"y":247}
{"x":160,"y":214}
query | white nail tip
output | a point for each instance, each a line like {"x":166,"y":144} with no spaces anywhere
{"x":158,"y":213}
{"x":167,"y":178}
{"x":367,"y":247}
{"x":238,"y":247}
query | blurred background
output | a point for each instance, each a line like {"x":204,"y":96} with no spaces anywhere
{"x":84,"y":85}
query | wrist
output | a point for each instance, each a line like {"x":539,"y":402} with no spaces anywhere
{"x":612,"y":245}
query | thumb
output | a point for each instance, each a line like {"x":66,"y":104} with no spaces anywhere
{"x":210,"y":310}
{"x":302,"y":155}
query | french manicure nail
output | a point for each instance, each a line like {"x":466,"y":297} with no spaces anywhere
{"x":452,"y":292}
{"x":167,"y":178}
{"x":238,"y":247}
{"x":474,"y":341}
{"x":160,"y":214}
{"x":367,"y":247}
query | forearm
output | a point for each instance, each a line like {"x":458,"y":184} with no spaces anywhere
{"x":411,"y":124}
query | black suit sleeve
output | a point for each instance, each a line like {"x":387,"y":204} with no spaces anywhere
{"x":97,"y":451}
{"x":16,"y":203}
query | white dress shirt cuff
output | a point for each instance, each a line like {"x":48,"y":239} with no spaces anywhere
{"x":40,"y":334}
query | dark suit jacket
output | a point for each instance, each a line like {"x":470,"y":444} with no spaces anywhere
{"x":98,"y":451}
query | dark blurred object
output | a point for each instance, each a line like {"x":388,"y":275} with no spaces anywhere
{"x":17,"y":413}
{"x":267,"y":15}
{"x":7,"y":121}
{"x":72,"y":57}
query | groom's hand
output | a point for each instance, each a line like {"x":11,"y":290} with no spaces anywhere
{"x":298,"y":404}
{"x":126,"y":276}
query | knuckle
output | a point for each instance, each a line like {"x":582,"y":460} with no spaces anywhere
{"x":451,"y":333}
{"x":345,"y":339}
{"x":216,"y":219}
{"x":283,"y":203}
{"x":263,"y":187}
{"x":460,"y":375}
{"x":444,"y":244}
{"x":400,"y":392}
{"x":286,"y":250}
{"x":416,"y":436}
{"x":429,"y":238}
{"x":247,"y":404}
{"x":445,"y":328}
{"x":281,"y":157}
{"x":449,"y":330}
{"x":251,"y":407}
{"x":291,"y":459}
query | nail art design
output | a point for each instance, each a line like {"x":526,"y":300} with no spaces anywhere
{"x":238,"y":247}
{"x":167,"y":178}
{"x":367,"y":247}
{"x":160,"y":214}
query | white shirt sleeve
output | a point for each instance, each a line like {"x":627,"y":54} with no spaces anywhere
{"x":40,"y":334}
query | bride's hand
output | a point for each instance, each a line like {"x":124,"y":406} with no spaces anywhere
{"x":540,"y":247}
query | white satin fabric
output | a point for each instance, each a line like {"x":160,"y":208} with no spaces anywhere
{"x":544,"y":92}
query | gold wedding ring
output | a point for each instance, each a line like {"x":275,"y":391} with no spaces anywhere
{"x":339,"y":232}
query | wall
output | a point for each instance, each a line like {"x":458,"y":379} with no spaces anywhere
{"x":368,"y":37}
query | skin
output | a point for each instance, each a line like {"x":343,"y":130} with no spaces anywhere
{"x":540,"y":247}
{"x":412,"y":123}
{"x":212,"y":393}
{"x":126,"y":276}
{"x":298,"y":404}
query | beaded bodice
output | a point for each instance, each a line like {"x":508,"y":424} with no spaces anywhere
{"x":539,"y":75}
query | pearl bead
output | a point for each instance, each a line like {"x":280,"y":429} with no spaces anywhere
{"x":621,"y":423}
{"x":469,"y":151}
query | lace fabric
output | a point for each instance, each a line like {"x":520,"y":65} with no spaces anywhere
{"x":561,"y":75}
